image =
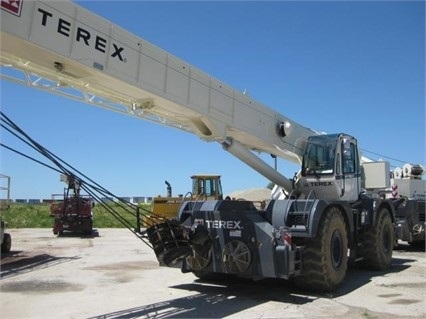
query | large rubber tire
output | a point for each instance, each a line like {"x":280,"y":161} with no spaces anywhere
{"x":378,"y":243}
{"x":86,"y":226}
{"x":6,"y":244}
{"x":325,"y":258}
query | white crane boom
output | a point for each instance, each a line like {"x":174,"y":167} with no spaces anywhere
{"x":60,"y":47}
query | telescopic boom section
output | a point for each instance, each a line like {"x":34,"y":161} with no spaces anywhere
{"x":65,"y":49}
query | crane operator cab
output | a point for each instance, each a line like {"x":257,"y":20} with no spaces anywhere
{"x":331,"y":168}
{"x":207,"y":187}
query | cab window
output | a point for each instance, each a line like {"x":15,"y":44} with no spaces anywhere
{"x":349,"y":157}
{"x":319,"y":159}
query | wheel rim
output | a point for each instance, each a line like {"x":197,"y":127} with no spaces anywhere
{"x":236,"y":257}
{"x":336,"y":249}
{"x":198,"y":262}
{"x":386,"y":240}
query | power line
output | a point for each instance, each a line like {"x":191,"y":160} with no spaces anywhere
{"x":384,"y":156}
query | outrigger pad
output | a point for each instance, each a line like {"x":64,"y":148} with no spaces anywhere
{"x":170,"y":242}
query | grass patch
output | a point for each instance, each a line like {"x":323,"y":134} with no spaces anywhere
{"x":102,"y":218}
{"x":38,"y":216}
{"x":27,"y":216}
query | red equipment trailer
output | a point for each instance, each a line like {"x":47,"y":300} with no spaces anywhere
{"x":72,"y":211}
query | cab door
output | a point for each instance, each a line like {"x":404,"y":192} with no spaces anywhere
{"x":348,"y":172}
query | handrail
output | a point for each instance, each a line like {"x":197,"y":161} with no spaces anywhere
{"x":196,"y":200}
{"x":286,"y":207}
{"x":306,"y":203}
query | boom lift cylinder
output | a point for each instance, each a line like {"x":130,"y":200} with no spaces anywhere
{"x":243,"y":154}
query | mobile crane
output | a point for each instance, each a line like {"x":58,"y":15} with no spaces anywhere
{"x":72,"y":211}
{"x":408,"y":191}
{"x":333,"y":211}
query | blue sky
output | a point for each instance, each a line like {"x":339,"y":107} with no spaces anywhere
{"x":355,"y":67}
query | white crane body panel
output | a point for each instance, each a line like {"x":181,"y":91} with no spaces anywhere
{"x":410,"y":188}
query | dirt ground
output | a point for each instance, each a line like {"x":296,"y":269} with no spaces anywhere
{"x":114,"y":275}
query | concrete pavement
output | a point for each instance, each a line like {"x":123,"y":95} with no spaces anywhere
{"x":114,"y":275}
